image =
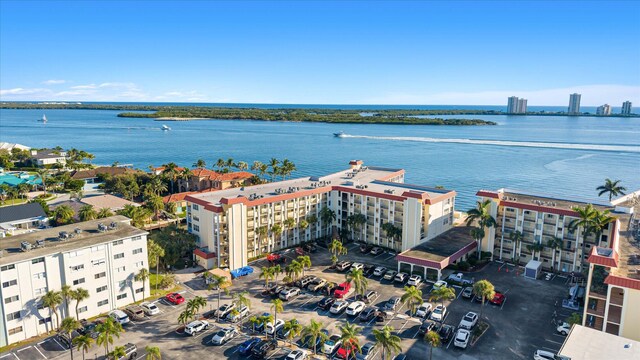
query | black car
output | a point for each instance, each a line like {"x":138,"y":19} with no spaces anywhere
{"x":368,"y":269}
{"x":276,"y":290}
{"x":310,"y":248}
{"x":366,"y":248}
{"x":263,"y":348}
{"x":328,"y":289}
{"x":88,"y":328}
{"x":326,"y":303}
{"x":381,"y":316}
{"x":426,"y":326}
{"x":446,"y":333}
{"x":305,"y":342}
{"x":368,"y":314}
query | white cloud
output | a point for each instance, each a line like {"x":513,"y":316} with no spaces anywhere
{"x":54,"y":82}
{"x":23,"y":91}
{"x":89,"y":86}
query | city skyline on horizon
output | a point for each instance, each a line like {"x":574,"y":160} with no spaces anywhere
{"x":334,"y":53}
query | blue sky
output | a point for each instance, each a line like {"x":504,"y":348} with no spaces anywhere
{"x":321,"y":52}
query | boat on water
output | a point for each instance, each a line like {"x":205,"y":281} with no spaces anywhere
{"x":165,"y":128}
{"x":339,"y":134}
{"x":44,"y":119}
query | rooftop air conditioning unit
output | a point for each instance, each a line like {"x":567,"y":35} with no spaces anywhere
{"x":25,"y":246}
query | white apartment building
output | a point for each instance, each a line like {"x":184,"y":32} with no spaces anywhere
{"x":101,"y":256}
{"x":228,"y":222}
{"x":574,"y":104}
{"x":626,"y":108}
{"x":516,"y":105}
{"x":604,"y":110}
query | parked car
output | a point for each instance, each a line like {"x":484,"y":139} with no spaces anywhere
{"x":119,"y":316}
{"x":392,"y":303}
{"x":195,"y":327}
{"x":225,"y":309}
{"x":368,"y":313}
{"x":401,"y":277}
{"x":275,"y":258}
{"x":135,"y":312}
{"x":400,"y":357}
{"x":355,"y":308}
{"x":223,"y":335}
{"x":367,"y":351}
{"x":174,"y":298}
{"x":439,"y":313}
{"x":241,"y":313}
{"x":467,"y":293}
{"x":130,"y":351}
{"x":316,"y":285}
{"x":439,"y":284}
{"x":88,"y":328}
{"x":332,"y":344}
{"x":150,"y":308}
{"x":342,"y":290}
{"x":459,"y":278}
{"x":357,"y":266}
{"x":277,"y":290}
{"x":543,"y":355}
{"x":344,"y":353}
{"x":64,"y":339}
{"x":368,"y":297}
{"x":367,"y":270}
{"x":377,"y":251}
{"x":260,"y":327}
{"x":297,"y":355}
{"x":498,"y":299}
{"x":379,"y":271}
{"x":381,"y":316}
{"x":338,"y":307}
{"x":247,"y":345}
{"x":462,"y":338}
{"x":329,"y":288}
{"x":327,"y":302}
{"x":282,"y":333}
{"x":310,"y":248}
{"x":272,"y":328}
{"x":306,"y":342}
{"x":424,"y":310}
{"x":289,"y":293}
{"x":446,"y":332}
{"x":366,"y":248}
{"x":389,"y":275}
{"x":343,"y":266}
{"x":477,"y":298}
{"x":426,"y":326}
{"x":564,"y":328}
{"x":305,"y":280}
{"x":262,"y":349}
{"x":414,"y":280}
{"x":469,"y":320}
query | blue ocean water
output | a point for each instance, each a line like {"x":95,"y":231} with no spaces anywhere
{"x":555,"y":155}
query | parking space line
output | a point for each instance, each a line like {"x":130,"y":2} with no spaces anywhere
{"x":552,"y":350}
{"x":555,"y":342}
{"x":10,"y":354}
{"x":38,"y":350}
{"x":145,"y":354}
{"x":504,"y":302}
{"x":416,"y":334}
{"x":56,"y":341}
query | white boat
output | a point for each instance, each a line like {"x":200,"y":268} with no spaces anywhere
{"x":44,"y":118}
{"x":339,"y":134}
{"x":165,"y":128}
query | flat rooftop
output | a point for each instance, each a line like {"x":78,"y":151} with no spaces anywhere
{"x":629,"y":242}
{"x":584,"y":343}
{"x":89,"y":235}
{"x":444,"y":248}
{"x":368,"y":178}
{"x":543,"y":200}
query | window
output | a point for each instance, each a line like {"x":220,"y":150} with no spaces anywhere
{"x":100,"y":275}
{"x":98,"y":262}
{"x":101,"y":288}
{"x":15,"y":330}
{"x":11,"y":299}
{"x":103,"y":302}
{"x":76,"y":253}
{"x":195,"y":218}
{"x":14,"y":316}
{"x":196,"y":228}
{"x":40,"y":291}
{"x":121,"y":269}
{"x":38,"y":260}
{"x":136,"y":238}
{"x":82,"y":309}
{"x":118,"y":256}
{"x":40,"y":275}
{"x":137,"y":251}
{"x":140,"y":264}
{"x":118,"y":242}
{"x":77,"y":267}
{"x":139,"y":290}
{"x":78,"y":281}
{"x":6,"y":284}
{"x":121,"y":296}
{"x":44,"y":321}
{"x":194,"y":206}
{"x":97,"y":248}
{"x":7,"y":267}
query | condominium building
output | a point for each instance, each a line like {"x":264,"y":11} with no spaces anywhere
{"x":626,"y":108}
{"x":516,"y":105}
{"x":613,"y":281}
{"x":544,"y":222}
{"x":574,"y":104}
{"x":236,"y":225}
{"x":604,"y":110}
{"x":101,"y":256}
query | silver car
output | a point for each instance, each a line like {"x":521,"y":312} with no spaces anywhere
{"x":224,"y":335}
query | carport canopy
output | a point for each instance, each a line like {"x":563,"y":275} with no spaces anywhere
{"x":439,"y":252}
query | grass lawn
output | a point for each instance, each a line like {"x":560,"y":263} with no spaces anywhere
{"x":155,"y":279}
{"x":13,"y":202}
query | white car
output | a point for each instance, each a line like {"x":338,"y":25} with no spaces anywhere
{"x":195,"y":327}
{"x":401,"y":277}
{"x":355,"y":308}
{"x":150,"y":308}
{"x":297,"y":355}
{"x":224,"y":335}
{"x":469,"y":320}
{"x":439,"y":313}
{"x":424,"y":310}
{"x":462,"y":338}
{"x":439,"y":284}
{"x":543,"y":355}
{"x":332,"y":344}
{"x":119,"y":316}
{"x":271,"y":328}
{"x":414,"y":280}
{"x":564,"y":329}
{"x":289,"y":293}
{"x":338,"y":307}
{"x":379,"y":271}
{"x":241,"y":314}
{"x":357,"y":266}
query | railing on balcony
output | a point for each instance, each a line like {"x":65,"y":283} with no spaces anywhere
{"x":615,"y":314}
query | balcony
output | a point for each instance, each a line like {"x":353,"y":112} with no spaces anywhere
{"x":596,"y":306}
{"x":615,"y":314}
{"x":613,"y":329}
{"x":617,"y":296}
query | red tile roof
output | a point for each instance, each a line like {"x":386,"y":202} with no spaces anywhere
{"x":161,"y":168}
{"x":202,"y":172}
{"x":608,"y":261}
{"x":181,"y":196}
{"x":239,"y":175}
{"x":622,"y":282}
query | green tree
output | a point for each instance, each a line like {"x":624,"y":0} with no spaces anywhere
{"x":267,"y":273}
{"x":153,"y":353}
{"x":294,"y":269}
{"x":200,"y":164}
{"x":336,"y":248}
{"x":196,"y":304}
{"x":218,"y":283}
{"x":143,"y":276}
{"x":63,"y":214}
{"x":87,"y":212}
{"x":117,"y":353}
{"x":481,"y":215}
{"x":574,"y":319}
{"x":412,"y":297}
{"x":485,"y":290}
{"x":327,"y":216}
{"x":83,"y":344}
{"x":387,"y":341}
{"x":185,"y":316}
{"x":584,"y":221}
{"x":305,"y":261}
{"x":52,"y":300}
{"x":155,"y":204}
{"x":292,"y":328}
{"x":106,"y":331}
{"x":611,"y":187}
{"x":66,"y":291}
{"x":242,"y":299}
{"x":276,"y":306}
{"x":314,"y":332}
{"x":104,"y":213}
{"x":554,"y":243}
{"x":68,"y":326}
{"x":154,"y":253}
{"x":442,"y":294}
{"x":516,"y":237}
{"x":42,"y":174}
{"x":171,"y":172}
{"x":433,"y":339}
{"x":276,"y":230}
{"x":359,"y":281}
{"x":79,"y":295}
{"x":349,"y":336}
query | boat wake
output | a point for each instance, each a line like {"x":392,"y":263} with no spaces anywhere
{"x":533,"y":144}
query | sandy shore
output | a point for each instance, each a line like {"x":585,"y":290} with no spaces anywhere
{"x":179,"y":119}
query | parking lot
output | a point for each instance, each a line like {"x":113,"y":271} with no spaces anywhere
{"x":517,"y":328}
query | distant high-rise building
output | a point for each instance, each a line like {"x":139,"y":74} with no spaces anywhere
{"x":626,"y":108}
{"x":574,"y":104}
{"x":516,"y":105}
{"x":604,"y":110}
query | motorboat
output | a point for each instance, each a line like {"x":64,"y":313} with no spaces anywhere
{"x":44,"y":119}
{"x":165,"y":128}
{"x":339,"y":134}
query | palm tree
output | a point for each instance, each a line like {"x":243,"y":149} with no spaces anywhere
{"x":516,"y":237}
{"x":264,"y":320}
{"x":485,"y":290}
{"x":185,"y":316}
{"x":52,"y":300}
{"x":349,"y":336}
{"x":387,"y":341}
{"x":66,"y":291}
{"x":294,"y":269}
{"x":433,"y":339}
{"x":87,"y":212}
{"x":314,"y":331}
{"x":155,"y":204}
{"x":600,"y":222}
{"x":327,"y":216}
{"x":287,"y":167}
{"x":288,"y":223}
{"x":196,"y":304}
{"x":292,"y":328}
{"x":535,"y":247}
{"x":242,"y":299}
{"x":442,"y":294}
{"x":155,"y":186}
{"x":200,"y":164}
{"x":185,"y":175}
{"x":142,"y":275}
{"x":117,"y":353}
{"x":82,"y":343}
{"x":63,"y":214}
{"x":267,"y":273}
{"x":583,"y":221}
{"x":336,"y":248}
{"x":153,"y":353}
{"x":303,"y":224}
{"x":277,"y":270}
{"x":359,"y":281}
{"x":42,"y":174}
{"x":79,"y":295}
{"x":276,"y":306}
{"x":218,"y":283}
{"x":305,"y":261}
{"x":613,"y":188}
{"x":261,"y":231}
{"x":220,"y":164}
{"x":241,"y":165}
{"x":229,"y":164}
{"x":273,"y":163}
{"x":412,"y":297}
{"x":276,"y":230}
{"x":554,"y":243}
{"x":104,"y":213}
{"x":68,"y":326}
{"x":482,"y":216}
{"x":171,"y":171}
{"x":359,"y":220}
{"x":106,"y":331}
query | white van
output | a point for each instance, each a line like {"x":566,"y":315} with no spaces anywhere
{"x":119,"y":316}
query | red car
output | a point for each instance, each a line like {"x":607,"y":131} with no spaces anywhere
{"x":344,"y":353}
{"x":498,"y":298}
{"x":174,"y":298}
{"x":276,"y":258}
{"x":342,"y":290}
